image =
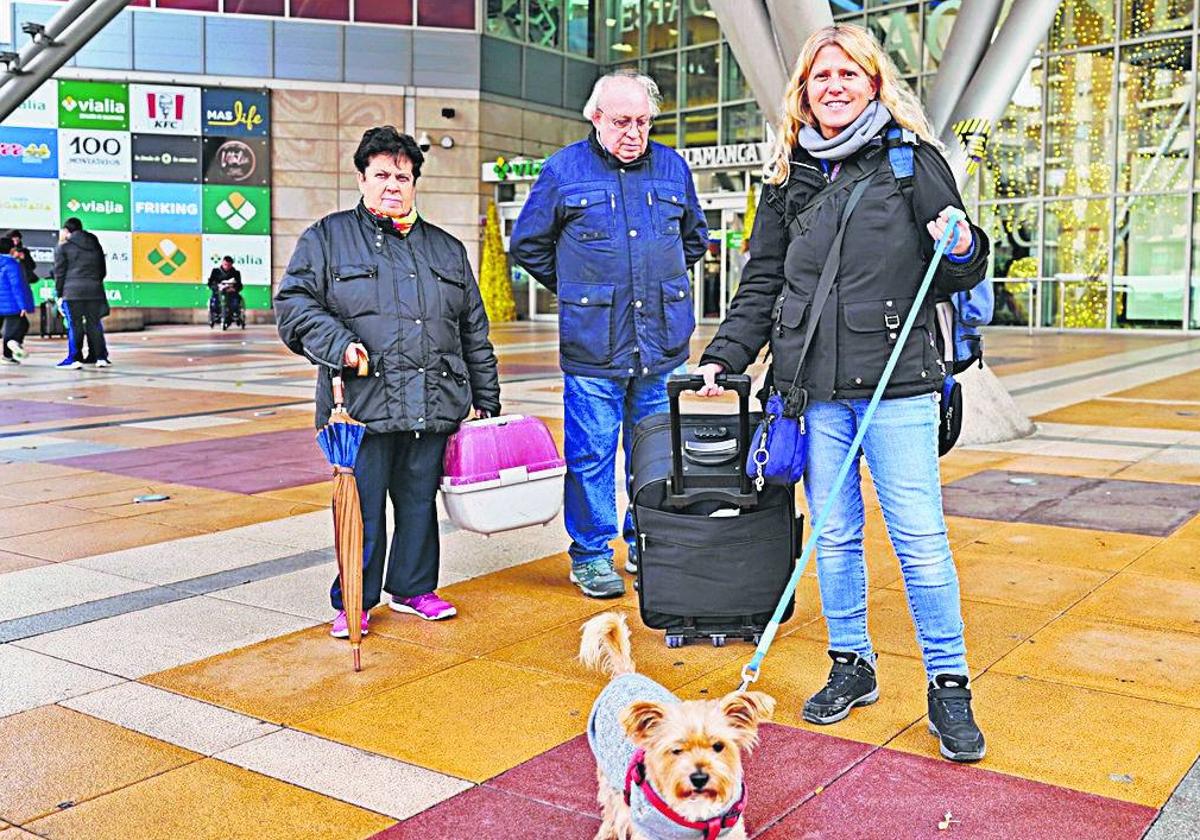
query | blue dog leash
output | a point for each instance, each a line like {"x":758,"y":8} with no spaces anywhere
{"x":947,"y":241}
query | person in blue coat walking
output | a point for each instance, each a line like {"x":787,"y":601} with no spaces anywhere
{"x":612,"y":226}
{"x":16,"y":302}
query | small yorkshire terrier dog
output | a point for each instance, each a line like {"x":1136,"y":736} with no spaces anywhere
{"x":667,"y":768}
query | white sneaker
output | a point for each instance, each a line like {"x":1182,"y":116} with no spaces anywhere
{"x":19,"y":352}
{"x":103,"y":363}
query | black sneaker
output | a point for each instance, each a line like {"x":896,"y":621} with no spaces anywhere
{"x":951,"y":720}
{"x":631,"y":559}
{"x":851,"y":683}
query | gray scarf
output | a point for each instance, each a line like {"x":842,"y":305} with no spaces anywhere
{"x":851,"y":138}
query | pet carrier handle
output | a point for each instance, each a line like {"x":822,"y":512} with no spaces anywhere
{"x":676,"y":385}
{"x":750,"y":672}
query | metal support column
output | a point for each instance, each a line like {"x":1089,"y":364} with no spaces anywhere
{"x":747,"y":27}
{"x":969,"y":39}
{"x":793,"y":22}
{"x":64,"y":35}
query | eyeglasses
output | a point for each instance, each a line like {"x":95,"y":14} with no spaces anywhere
{"x":623,"y":124}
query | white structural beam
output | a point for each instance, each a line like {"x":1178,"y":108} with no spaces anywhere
{"x":747,"y":27}
{"x":793,"y":22}
{"x":973,"y":27}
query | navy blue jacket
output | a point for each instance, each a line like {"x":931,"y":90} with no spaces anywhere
{"x":614,"y":241}
{"x":14,"y":291}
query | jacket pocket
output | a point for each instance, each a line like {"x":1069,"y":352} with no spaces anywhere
{"x":669,"y":204}
{"x":585,"y":322}
{"x":679,"y":318}
{"x":355,"y":289}
{"x":366,"y":396}
{"x":588,"y":216}
{"x":452,"y":289}
{"x":450,"y":397}
{"x":872,"y":329}
{"x":792,"y":311}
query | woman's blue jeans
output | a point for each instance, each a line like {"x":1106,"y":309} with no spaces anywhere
{"x":902,"y":454}
{"x":596,"y":411}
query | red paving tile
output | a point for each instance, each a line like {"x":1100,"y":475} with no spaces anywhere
{"x":488,"y":812}
{"x":893,"y":795}
{"x":787,"y":767}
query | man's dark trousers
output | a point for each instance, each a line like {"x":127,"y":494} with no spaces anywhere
{"x":408,"y":468}
{"x":85,"y":320}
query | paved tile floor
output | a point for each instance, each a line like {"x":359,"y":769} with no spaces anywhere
{"x":165,"y":670}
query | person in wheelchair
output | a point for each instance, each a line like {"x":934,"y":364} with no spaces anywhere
{"x":226,"y":304}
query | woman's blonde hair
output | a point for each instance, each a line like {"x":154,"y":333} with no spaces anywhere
{"x":862,"y":48}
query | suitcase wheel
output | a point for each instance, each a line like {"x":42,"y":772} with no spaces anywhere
{"x":757,"y":638}
{"x":675,"y":640}
{"x":718,"y":639}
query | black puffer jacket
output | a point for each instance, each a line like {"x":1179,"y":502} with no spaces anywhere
{"x":79,"y":268}
{"x":412,"y":301}
{"x":884,"y":257}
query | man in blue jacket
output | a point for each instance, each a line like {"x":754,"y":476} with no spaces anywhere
{"x":612,"y":226}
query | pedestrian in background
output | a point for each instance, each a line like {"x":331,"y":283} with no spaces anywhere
{"x":16,"y":302}
{"x":612,"y":226}
{"x":79,"y":272}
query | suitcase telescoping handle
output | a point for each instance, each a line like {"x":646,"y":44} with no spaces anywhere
{"x":679,"y":383}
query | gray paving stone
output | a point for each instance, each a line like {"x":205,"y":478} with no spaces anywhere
{"x":1180,"y":817}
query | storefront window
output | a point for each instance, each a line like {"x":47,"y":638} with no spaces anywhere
{"x":1079,"y":121}
{"x":1156,"y":98}
{"x":665,"y":72}
{"x":741,"y":124}
{"x":544,"y":22}
{"x":1015,"y":237}
{"x":1150,"y":262}
{"x":666,"y":127}
{"x":700,"y":22}
{"x":660,"y":23}
{"x":1145,"y":17}
{"x":699,"y":127}
{"x":1014,"y":150}
{"x":899,"y":30}
{"x":581,"y":27}
{"x":622,"y":23}
{"x":735,"y":86}
{"x":506,"y":19}
{"x":1082,"y":23}
{"x":1077,"y":240}
{"x":700,"y":75}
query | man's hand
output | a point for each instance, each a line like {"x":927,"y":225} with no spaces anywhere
{"x":356,"y":357}
{"x":710,"y":372}
{"x":481,"y":414}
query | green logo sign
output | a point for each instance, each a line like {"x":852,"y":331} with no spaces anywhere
{"x":167,"y":258}
{"x":244,"y":210}
{"x":93,"y":105}
{"x":523,"y":170}
{"x":99,"y":205}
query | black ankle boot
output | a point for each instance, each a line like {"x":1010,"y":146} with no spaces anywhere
{"x":851,"y":683}
{"x":951,"y":719}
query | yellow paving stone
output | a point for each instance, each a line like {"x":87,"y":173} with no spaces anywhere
{"x":1058,"y":465}
{"x":492,"y":613}
{"x":27,"y":519}
{"x":1180,"y":386}
{"x":1138,"y":415}
{"x":556,"y":650}
{"x":249,"y":510}
{"x":1077,"y":738}
{"x":1154,"y":664}
{"x":95,"y":538}
{"x":53,"y":755}
{"x":963,"y":530}
{"x":1000,"y":580}
{"x":1175,"y":558}
{"x":28,"y":471}
{"x":60,"y":488}
{"x":991,"y":630}
{"x":1190,"y":530}
{"x":796,"y":669}
{"x":301,"y":675}
{"x":212,"y":800}
{"x":10,"y":562}
{"x":312,"y":494}
{"x":472,"y":721}
{"x":1029,"y":543}
{"x":131,"y":437}
{"x":182,"y":496}
{"x":1152,"y":470}
{"x":1146,"y":600}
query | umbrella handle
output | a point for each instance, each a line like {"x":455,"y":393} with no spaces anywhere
{"x":339,"y":393}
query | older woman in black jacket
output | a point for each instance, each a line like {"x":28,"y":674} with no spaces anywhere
{"x":844,"y":107}
{"x":379,"y":284}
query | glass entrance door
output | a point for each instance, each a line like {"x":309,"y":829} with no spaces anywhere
{"x":715,"y":276}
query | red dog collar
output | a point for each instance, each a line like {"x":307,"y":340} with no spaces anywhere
{"x":635,"y":776}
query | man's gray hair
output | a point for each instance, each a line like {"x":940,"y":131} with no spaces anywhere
{"x":593,"y":103}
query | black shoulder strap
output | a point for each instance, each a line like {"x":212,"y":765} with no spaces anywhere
{"x":796,"y":399}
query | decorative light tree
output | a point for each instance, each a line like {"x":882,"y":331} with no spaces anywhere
{"x":495,"y":278}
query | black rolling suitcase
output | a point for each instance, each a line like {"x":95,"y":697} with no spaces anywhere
{"x":715,"y":554}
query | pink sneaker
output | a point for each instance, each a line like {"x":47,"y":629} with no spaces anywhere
{"x":341,"y":628}
{"x":428,"y":606}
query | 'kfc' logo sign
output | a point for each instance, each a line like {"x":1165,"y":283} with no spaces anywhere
{"x":162,"y":109}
